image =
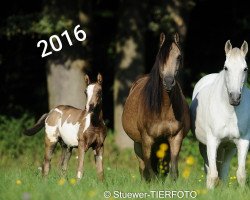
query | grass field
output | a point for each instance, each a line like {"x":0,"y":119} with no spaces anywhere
{"x":20,"y":178}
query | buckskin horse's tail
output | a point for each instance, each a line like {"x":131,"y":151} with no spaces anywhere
{"x":37,"y":127}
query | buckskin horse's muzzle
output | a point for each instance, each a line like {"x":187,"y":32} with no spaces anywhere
{"x":169,"y":82}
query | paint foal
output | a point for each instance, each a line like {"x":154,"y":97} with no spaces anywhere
{"x":220,"y":116}
{"x":72,"y":127}
{"x":156,"y":110}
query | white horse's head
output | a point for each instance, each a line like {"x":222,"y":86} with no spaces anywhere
{"x":235,"y":68}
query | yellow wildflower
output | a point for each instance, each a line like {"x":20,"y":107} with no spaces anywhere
{"x":186,"y":173}
{"x":61,"y":181}
{"x":190,"y":160}
{"x":18,"y":182}
{"x":72,"y":181}
{"x":164,"y":147}
{"x":92,"y":193}
{"x":160,"y":154}
{"x":203,"y":191}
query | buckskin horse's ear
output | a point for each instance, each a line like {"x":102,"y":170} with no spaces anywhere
{"x":99,"y":78}
{"x":176,"y":38}
{"x":244,"y":48}
{"x":228,"y":47}
{"x":162,"y":39}
{"x":87,"y":80}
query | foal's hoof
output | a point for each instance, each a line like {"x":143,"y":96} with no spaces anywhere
{"x":212,"y":182}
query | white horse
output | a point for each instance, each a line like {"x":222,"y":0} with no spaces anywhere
{"x":220,"y":112}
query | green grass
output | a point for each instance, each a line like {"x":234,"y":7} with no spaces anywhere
{"x":121,"y":174}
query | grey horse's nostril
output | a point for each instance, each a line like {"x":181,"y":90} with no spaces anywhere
{"x":235,"y":97}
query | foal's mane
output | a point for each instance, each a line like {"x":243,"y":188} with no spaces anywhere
{"x":153,"y":89}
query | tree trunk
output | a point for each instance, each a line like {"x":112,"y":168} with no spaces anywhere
{"x":66,"y":83}
{"x":130,"y":60}
{"x":179,"y":12}
{"x":65,"y":69}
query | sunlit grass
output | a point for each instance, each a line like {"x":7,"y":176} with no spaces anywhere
{"x":21,"y":178}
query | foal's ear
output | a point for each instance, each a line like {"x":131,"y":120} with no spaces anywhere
{"x":162,"y":39}
{"x":87,"y":80}
{"x":176,"y":38}
{"x":244,"y":48}
{"x":228,"y":47}
{"x":99,"y":78}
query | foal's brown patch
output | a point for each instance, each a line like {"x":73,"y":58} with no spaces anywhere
{"x":70,"y":115}
{"x":52,"y":118}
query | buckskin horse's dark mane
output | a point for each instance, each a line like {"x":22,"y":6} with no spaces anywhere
{"x":153,"y":90}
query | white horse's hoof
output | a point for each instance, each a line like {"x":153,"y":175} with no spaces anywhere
{"x":241,"y":178}
{"x":212,"y":182}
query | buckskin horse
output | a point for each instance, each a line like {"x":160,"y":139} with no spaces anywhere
{"x":72,"y":128}
{"x":156,"y":110}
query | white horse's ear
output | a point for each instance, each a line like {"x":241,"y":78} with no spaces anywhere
{"x":244,"y":48}
{"x":228,"y":47}
{"x":99,"y":78}
{"x":162,"y":39}
{"x":87,"y":80}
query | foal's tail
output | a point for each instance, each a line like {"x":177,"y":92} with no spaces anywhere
{"x":37,"y":127}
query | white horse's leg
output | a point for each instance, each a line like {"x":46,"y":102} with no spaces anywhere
{"x":212,"y":146}
{"x":229,"y":153}
{"x":242,"y":147}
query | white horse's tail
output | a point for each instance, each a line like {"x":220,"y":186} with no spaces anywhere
{"x":37,"y":127}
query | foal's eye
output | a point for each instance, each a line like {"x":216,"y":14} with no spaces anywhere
{"x":245,"y":69}
{"x":225,"y":68}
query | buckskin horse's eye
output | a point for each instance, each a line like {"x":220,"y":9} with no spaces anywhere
{"x":225,"y":68}
{"x":179,"y":58}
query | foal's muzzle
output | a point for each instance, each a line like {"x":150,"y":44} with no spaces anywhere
{"x":234,"y":98}
{"x":169,"y":83}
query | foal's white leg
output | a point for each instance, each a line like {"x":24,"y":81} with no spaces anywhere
{"x":242,"y":147}
{"x":212,"y":175}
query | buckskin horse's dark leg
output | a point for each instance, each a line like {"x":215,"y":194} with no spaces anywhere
{"x":147,"y":143}
{"x":175,"y":147}
{"x":99,"y":163}
{"x":139,"y":155}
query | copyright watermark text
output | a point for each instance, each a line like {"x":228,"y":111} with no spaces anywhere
{"x":157,"y":194}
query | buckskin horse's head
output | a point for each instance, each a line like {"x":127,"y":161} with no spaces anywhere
{"x":170,"y":60}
